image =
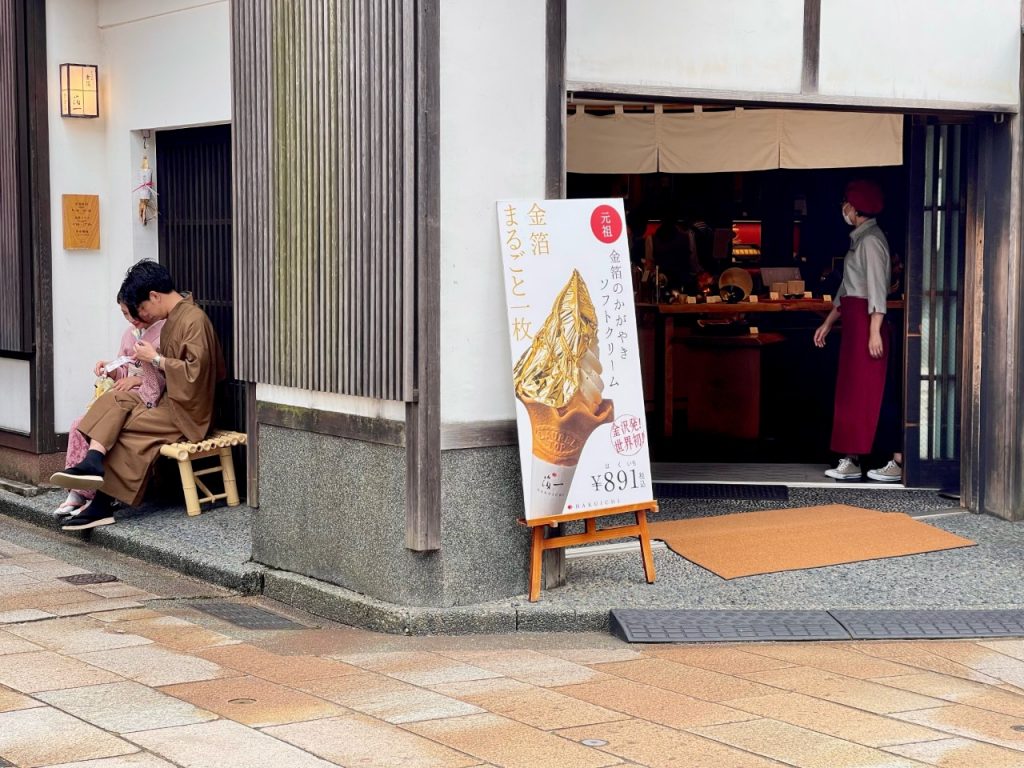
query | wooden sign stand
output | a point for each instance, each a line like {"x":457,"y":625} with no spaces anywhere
{"x":541,"y":543}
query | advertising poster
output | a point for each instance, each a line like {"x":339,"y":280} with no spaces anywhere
{"x":583,"y":439}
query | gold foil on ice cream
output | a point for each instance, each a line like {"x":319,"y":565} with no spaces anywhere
{"x":558,"y":378}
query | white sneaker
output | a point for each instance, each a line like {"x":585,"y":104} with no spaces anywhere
{"x":890,"y":473}
{"x":847,"y":469}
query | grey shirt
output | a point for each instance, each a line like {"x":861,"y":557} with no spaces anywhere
{"x":866,"y":272}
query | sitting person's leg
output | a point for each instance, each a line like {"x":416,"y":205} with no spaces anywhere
{"x":78,"y":446}
{"x":101,"y":426}
{"x":126,"y":465}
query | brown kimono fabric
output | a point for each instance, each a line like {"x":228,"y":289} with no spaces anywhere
{"x":860,"y":381}
{"x":133,"y":433}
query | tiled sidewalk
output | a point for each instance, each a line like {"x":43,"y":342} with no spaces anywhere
{"x":112,"y":675}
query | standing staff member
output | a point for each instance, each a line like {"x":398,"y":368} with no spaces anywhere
{"x":864,"y":347}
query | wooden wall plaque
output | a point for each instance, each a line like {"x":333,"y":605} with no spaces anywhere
{"x":81,"y":222}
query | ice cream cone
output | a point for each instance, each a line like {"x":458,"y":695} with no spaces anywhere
{"x":558,"y":379}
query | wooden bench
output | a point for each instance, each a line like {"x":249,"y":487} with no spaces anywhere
{"x":218,"y":444}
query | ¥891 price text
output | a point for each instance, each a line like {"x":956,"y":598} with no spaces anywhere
{"x":620,"y":480}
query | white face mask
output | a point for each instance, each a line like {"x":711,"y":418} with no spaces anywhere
{"x":846,"y":217}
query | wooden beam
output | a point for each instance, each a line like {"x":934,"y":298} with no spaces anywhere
{"x":812,"y":46}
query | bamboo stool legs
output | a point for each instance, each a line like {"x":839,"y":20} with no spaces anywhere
{"x":218,"y":446}
{"x":227,"y":468}
{"x":188,"y":485}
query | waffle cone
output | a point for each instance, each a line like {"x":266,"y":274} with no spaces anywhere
{"x":559,"y":434}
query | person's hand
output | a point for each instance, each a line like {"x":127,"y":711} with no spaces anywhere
{"x":144,"y":351}
{"x":97,"y":370}
{"x":128,"y":383}
{"x":875,"y":346}
{"x":821,"y":333}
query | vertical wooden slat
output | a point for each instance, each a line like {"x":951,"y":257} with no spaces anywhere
{"x":12,"y":242}
{"x":330,"y":157}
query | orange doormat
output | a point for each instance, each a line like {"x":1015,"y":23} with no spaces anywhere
{"x":750,"y":543}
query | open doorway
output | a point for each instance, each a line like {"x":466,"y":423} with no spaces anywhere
{"x":737,"y":392}
{"x":194,"y":167}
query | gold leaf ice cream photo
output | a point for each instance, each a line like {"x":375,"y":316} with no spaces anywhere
{"x":558,"y":380}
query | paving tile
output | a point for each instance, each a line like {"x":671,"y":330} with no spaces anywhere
{"x":595,"y":655}
{"x":728,"y":661}
{"x":9,"y":584}
{"x":126,"y":614}
{"x":47,"y":671}
{"x":75,"y":635}
{"x":959,"y":753}
{"x":657,"y":746}
{"x":691,"y":681}
{"x":971,"y":723}
{"x":529,"y":666}
{"x":640,"y":700}
{"x":176,"y":633}
{"x":12,"y":700}
{"x":26,"y":614}
{"x":11,"y":643}
{"x":271,"y":666}
{"x":254,"y":702}
{"x":792,"y":745}
{"x":119,"y":589}
{"x":53,"y":569}
{"x":505,"y":742}
{"x":48,"y":599}
{"x":982,"y":659}
{"x":10,"y":570}
{"x":125,"y":707}
{"x":542,"y":708}
{"x":835,"y":720}
{"x":915,"y":654}
{"x":387,"y":698}
{"x":860,"y":694}
{"x":961,"y":691}
{"x":358,"y":740}
{"x":94,"y":605}
{"x":155,"y":665}
{"x":416,"y":667}
{"x":842,"y":661}
{"x":27,"y":739}
{"x":1013,"y":648}
{"x":224,"y":744}
{"x":138,"y":760}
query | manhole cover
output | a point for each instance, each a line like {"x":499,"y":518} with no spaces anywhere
{"x":682,"y":626}
{"x":81,"y":579}
{"x":246,"y":616}
{"x":720,"y":491}
{"x":937,"y":624}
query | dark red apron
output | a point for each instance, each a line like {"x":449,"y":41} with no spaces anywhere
{"x":860,"y":381}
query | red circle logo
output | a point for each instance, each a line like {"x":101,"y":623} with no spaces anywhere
{"x":606,"y":224}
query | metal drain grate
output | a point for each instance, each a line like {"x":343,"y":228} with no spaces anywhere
{"x":937,"y":624}
{"x":680,"y":626}
{"x":720,"y":491}
{"x":85,"y":579}
{"x":246,"y":616}
{"x":5,"y":763}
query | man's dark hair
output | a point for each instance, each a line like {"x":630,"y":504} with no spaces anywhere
{"x":144,"y":277}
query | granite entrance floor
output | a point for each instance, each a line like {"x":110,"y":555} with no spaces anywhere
{"x":130,"y":673}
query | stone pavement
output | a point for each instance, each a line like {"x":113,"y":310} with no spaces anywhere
{"x":131,"y":673}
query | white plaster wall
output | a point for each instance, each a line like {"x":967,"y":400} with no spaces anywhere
{"x":16,"y":403}
{"x":163,"y":64}
{"x":325,"y":401}
{"x":492,"y":147}
{"x":947,"y":50}
{"x":732,"y":45}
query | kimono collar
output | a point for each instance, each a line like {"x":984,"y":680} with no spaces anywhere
{"x":861,"y":230}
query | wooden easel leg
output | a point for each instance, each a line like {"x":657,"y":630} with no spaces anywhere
{"x":188,"y":485}
{"x":227,"y":467}
{"x":536,"y":558}
{"x":645,"y":545}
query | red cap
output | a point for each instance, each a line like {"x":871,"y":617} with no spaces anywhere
{"x":865,"y":196}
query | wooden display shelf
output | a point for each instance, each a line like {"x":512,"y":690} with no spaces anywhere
{"x":591,"y":534}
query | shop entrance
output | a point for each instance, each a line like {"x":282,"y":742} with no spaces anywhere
{"x":738,"y":391}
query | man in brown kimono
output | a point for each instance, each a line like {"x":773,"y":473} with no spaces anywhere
{"x":125,"y":435}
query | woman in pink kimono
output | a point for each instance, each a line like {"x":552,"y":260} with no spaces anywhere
{"x":146,"y":380}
